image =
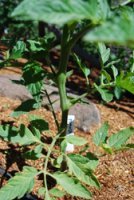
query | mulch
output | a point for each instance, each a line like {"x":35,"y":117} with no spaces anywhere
{"x":115,"y":172}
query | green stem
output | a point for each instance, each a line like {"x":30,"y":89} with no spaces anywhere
{"x":52,"y":109}
{"x":67,"y":44}
{"x":47,"y":159}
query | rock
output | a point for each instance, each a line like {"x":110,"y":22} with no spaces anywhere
{"x":13,"y":90}
{"x":86,"y":115}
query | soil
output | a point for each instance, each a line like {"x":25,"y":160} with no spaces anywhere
{"x":115,"y":172}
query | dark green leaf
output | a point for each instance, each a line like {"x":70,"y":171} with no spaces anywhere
{"x":19,"y":185}
{"x":35,"y":153}
{"x":25,"y":107}
{"x":33,"y":76}
{"x":38,"y":123}
{"x":130,"y":146}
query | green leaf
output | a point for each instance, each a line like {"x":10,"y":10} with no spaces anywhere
{"x":104,"y":52}
{"x":57,"y":162}
{"x":25,"y":107}
{"x":56,"y":192}
{"x":21,"y":135}
{"x":18,"y":50}
{"x":80,"y":170}
{"x":130,"y":146}
{"x":35,"y":46}
{"x":117,"y":140}
{"x":33,"y":76}
{"x":92,"y":161}
{"x":63,"y":146}
{"x":107,"y":148}
{"x":101,"y":134}
{"x":35,"y":153}
{"x":106,"y":75}
{"x":87,"y":163}
{"x":71,"y":185}
{"x":84,"y":69}
{"x":126,"y":81}
{"x":38,"y":123}
{"x":117,"y":30}
{"x":62,"y":11}
{"x":79,"y":141}
{"x":19,"y":185}
{"x":105,"y":94}
{"x":116,"y":3}
{"x":42,"y":191}
{"x":117,"y":92}
{"x":115,"y":71}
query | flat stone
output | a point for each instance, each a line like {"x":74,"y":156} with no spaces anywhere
{"x":86,"y":115}
{"x":12,"y":90}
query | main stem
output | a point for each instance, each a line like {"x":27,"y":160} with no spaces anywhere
{"x":66,"y":45}
{"x":61,"y":79}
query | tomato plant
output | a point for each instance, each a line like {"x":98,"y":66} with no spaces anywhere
{"x":97,"y":22}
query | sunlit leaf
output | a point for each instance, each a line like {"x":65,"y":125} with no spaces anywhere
{"x":62,"y":11}
{"x":126,"y":81}
{"x":72,"y":139}
{"x":81,"y":170}
{"x":20,"y":135}
{"x":106,"y":95}
{"x":117,"y":30}
{"x":104,"y":52}
{"x":117,"y":140}
{"x":101,"y":134}
{"x":19,"y":185}
{"x":71,"y":185}
{"x":18,"y":50}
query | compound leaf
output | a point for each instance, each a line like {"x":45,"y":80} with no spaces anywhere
{"x":20,"y":135}
{"x":19,"y":185}
{"x":81,"y":170}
